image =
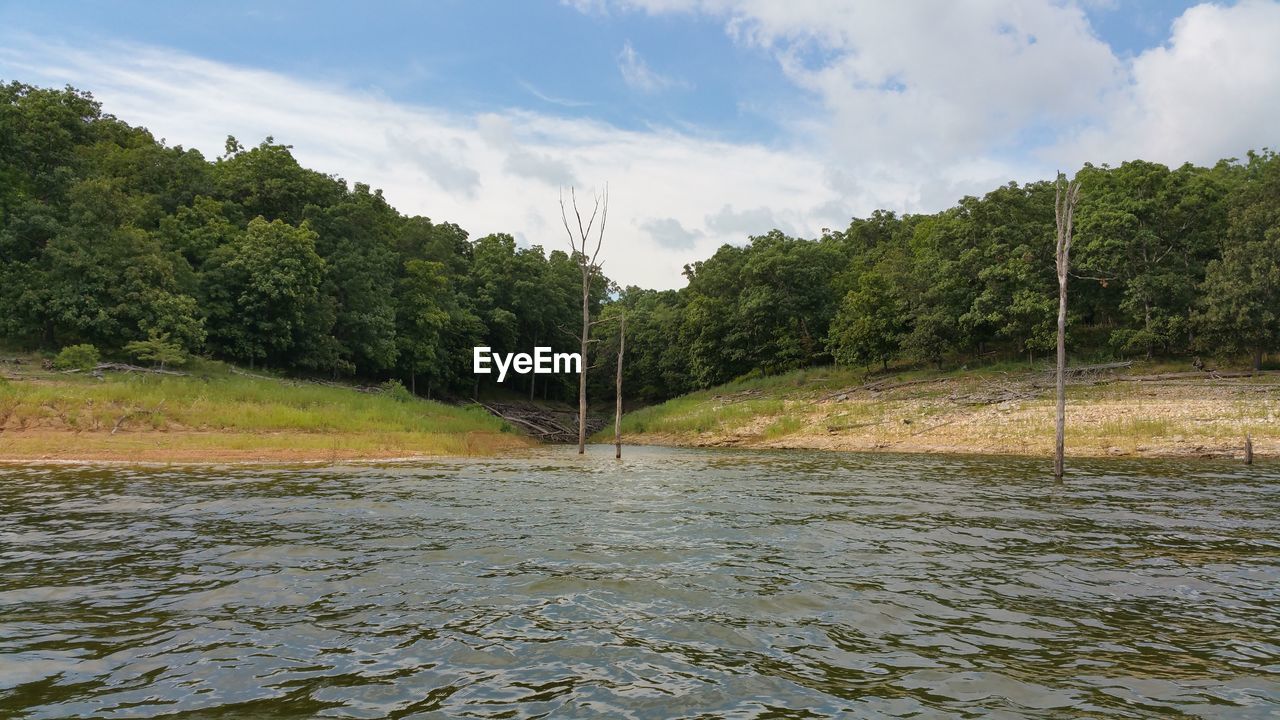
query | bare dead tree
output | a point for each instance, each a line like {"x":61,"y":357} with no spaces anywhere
{"x":1066,"y":195}
{"x":586,"y":259}
{"x":617,"y":414}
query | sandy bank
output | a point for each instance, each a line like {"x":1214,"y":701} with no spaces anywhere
{"x":1113,"y":415}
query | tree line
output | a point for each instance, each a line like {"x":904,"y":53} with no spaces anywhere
{"x":109,"y":236}
{"x":1165,"y":263}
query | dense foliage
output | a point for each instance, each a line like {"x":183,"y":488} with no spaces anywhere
{"x":111,"y":238}
{"x":1168,"y":263}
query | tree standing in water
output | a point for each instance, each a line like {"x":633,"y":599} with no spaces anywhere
{"x":617,"y":414}
{"x":1066,"y":195}
{"x":578,"y":243}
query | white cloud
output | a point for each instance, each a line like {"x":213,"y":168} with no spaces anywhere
{"x":920,"y":102}
{"x":493,"y":172}
{"x":1212,"y":91}
{"x":553,"y":99}
{"x":639,"y":76}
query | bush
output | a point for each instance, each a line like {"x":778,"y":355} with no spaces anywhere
{"x":157,"y":350}
{"x":396,"y":390}
{"x":77,"y":357}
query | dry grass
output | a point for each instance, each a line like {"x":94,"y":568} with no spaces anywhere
{"x":1178,"y":418}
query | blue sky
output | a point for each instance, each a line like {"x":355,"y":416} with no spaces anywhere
{"x":477,"y":56}
{"x":712,"y":119}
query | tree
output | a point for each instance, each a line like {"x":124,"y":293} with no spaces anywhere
{"x":617,"y":414}
{"x":589,"y":268}
{"x":1065,"y":198}
{"x":263,"y":296}
{"x":434,"y":328}
{"x":1145,"y":234}
{"x":157,"y":349}
{"x":1011,"y":230}
{"x":1240,"y":297}
{"x":869,"y":325}
{"x":355,"y":235}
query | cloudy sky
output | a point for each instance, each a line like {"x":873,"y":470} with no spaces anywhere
{"x":711,"y":120}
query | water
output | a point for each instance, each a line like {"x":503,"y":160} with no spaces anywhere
{"x":678,"y":584}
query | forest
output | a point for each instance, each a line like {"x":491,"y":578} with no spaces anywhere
{"x":111,"y":238}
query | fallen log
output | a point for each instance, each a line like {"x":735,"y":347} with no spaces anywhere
{"x":880,"y":386}
{"x":541,"y":422}
{"x":1193,"y":374}
{"x":126,"y":368}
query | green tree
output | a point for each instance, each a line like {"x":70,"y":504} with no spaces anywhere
{"x":1240,"y":297}
{"x":868,"y":327}
{"x":157,"y":349}
{"x":356,"y":236}
{"x":263,"y":296}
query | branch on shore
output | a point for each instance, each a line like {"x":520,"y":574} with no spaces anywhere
{"x":126,"y":368}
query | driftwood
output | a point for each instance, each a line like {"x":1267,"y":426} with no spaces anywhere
{"x":297,"y":382}
{"x":852,"y":426}
{"x":544,"y":423}
{"x":1078,"y":370}
{"x":879,"y":386}
{"x":737,"y":396}
{"x":994,"y":395}
{"x":255,"y":376}
{"x":126,"y":368}
{"x":1190,"y":375}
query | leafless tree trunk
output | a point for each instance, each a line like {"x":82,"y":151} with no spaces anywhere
{"x":533,"y":377}
{"x":590,"y":268}
{"x":1064,"y":207}
{"x":617,"y":415}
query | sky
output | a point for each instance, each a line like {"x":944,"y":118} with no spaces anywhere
{"x":710,"y":120}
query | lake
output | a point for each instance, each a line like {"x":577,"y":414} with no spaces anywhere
{"x":673,"y":584}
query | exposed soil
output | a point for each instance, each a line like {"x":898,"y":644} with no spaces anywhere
{"x":1111,"y":415}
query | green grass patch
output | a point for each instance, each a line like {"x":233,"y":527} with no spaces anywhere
{"x":783,"y":426}
{"x":214,"y":399}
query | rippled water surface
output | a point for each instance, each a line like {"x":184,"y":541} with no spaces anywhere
{"x":675,"y":584}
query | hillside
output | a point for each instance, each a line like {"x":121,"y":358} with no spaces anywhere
{"x":1137,"y":410}
{"x":215,"y":413}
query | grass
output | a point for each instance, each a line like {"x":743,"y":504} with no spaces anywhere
{"x":220,"y":415}
{"x":808,"y":409}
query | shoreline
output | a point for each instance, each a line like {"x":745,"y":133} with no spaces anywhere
{"x":162,"y":447}
{"x":991,"y":413}
{"x":1222,"y":453}
{"x":228,"y":419}
{"x":159,"y":455}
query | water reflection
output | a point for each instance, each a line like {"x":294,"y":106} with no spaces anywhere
{"x":679,"y":583}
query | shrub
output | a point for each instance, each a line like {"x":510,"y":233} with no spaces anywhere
{"x":158,"y":350}
{"x":396,"y":390}
{"x":77,"y":357}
